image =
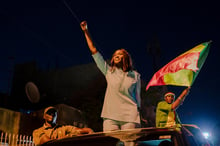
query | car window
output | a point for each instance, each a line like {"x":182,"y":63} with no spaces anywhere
{"x":155,"y":140}
{"x":161,"y":142}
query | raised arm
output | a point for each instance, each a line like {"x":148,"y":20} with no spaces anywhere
{"x":90,"y":43}
{"x":180,"y":99}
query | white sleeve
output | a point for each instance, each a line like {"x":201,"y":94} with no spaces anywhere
{"x":100,"y":62}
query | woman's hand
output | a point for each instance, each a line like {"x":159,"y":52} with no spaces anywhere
{"x":83,"y":25}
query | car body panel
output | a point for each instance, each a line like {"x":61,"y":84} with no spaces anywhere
{"x":189,"y":135}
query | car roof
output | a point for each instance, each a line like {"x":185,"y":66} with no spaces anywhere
{"x":118,"y":135}
{"x":138,"y":134}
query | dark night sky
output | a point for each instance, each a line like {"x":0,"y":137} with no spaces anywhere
{"x":46,"y":31}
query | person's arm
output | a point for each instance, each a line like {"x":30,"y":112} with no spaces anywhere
{"x":180,"y":99}
{"x":39,"y":137}
{"x":44,"y":139}
{"x":90,"y":43}
{"x":101,"y":63}
{"x":85,"y":130}
{"x":138,"y":91}
{"x":74,"y":131}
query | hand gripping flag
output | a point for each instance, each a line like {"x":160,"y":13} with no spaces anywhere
{"x":182,"y":70}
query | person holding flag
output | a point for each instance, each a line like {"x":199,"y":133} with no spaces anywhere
{"x":181,"y":71}
{"x":166,"y":115}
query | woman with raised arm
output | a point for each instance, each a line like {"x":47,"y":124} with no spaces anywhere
{"x":122,"y":97}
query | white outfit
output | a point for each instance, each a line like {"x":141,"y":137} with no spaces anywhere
{"x":122,"y":97}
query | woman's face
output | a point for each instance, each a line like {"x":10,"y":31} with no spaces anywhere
{"x":118,"y":57}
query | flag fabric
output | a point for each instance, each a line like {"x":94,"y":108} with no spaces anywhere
{"x":182,"y":70}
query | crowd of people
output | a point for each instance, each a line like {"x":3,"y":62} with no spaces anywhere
{"x":122,"y":102}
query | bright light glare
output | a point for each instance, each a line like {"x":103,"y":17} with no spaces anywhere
{"x":206,"y":135}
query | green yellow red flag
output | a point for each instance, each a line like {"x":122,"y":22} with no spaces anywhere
{"x":182,"y":70}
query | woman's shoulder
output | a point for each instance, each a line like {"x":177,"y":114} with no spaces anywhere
{"x":134,"y":74}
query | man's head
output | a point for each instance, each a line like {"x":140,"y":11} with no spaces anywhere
{"x":50,"y":115}
{"x":169,"y":97}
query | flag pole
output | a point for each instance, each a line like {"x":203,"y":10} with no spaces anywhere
{"x":71,"y":11}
